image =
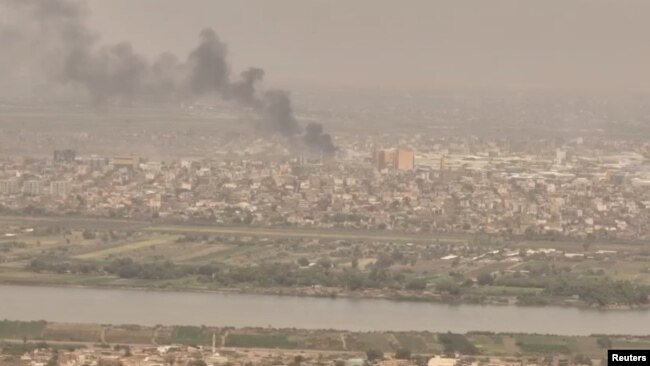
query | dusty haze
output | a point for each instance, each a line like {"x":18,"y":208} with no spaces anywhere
{"x":575,"y":44}
{"x":51,"y":50}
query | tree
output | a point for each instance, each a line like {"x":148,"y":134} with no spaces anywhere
{"x":456,"y":343}
{"x":383,"y":261}
{"x":448,"y":286}
{"x":325,"y":263}
{"x":196,"y":363}
{"x":420,"y":360}
{"x":88,"y":235}
{"x":397,"y":256}
{"x":54,"y":360}
{"x":353,"y":280}
{"x":604,"y":342}
{"x":303,"y":262}
{"x":374,"y":354}
{"x":403,"y":354}
{"x":485,"y":279}
{"x":297,"y":361}
{"x":416,"y":284}
{"x":581,"y":359}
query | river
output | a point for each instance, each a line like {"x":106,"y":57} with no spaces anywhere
{"x":118,"y":306}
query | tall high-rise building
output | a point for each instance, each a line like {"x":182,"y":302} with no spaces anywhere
{"x":404,"y":159}
{"x":400,"y":159}
{"x":383,"y":159}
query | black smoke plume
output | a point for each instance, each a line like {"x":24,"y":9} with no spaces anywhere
{"x":208,"y":69}
{"x":53,"y":37}
{"x":315,"y":137}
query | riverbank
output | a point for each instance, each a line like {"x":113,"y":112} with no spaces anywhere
{"x":323,"y":340}
{"x":307,"y":264}
{"x":20,"y":278}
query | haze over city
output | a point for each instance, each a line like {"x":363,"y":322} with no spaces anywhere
{"x":427,"y":45}
{"x":289,"y":182}
{"x":365,"y":44}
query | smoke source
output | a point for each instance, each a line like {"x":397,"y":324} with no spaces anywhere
{"x":50,"y":39}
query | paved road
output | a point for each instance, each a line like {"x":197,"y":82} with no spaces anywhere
{"x":304,"y":233}
{"x":117,"y":224}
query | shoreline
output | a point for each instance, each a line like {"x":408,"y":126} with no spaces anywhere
{"x":301,"y":341}
{"x":291,"y":292}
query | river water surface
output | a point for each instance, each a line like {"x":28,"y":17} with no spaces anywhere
{"x":86,"y":305}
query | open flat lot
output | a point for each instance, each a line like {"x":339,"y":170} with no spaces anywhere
{"x":149,"y":242}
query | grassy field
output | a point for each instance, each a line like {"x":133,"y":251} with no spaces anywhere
{"x":380,"y":341}
{"x":492,"y":344}
{"x":630,"y":342}
{"x":18,"y":349}
{"x":17,"y":330}
{"x":193,"y":335}
{"x":547,"y":344}
{"x":260,"y":341}
{"x":146,"y":243}
{"x":415,"y":343}
{"x":132,"y":334}
{"x":66,"y":332}
{"x":199,"y":254}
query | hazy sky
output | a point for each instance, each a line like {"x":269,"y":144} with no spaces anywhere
{"x":602,"y":44}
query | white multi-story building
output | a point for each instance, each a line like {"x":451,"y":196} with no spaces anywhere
{"x":9,"y":186}
{"x":60,"y":188}
{"x":33,"y":187}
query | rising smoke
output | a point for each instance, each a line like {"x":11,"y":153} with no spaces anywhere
{"x":51,"y":40}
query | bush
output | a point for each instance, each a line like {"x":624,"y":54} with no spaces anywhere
{"x":543,"y":348}
{"x":374,"y":354}
{"x":417,"y":284}
{"x":448,"y":286}
{"x":581,"y":359}
{"x":403,"y":354}
{"x":485,"y":279}
{"x":457,"y":343}
{"x":604,"y":342}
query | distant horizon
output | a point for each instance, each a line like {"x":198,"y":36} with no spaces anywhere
{"x":503,"y":44}
{"x":427,"y":46}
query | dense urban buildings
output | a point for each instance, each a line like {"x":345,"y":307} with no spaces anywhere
{"x":585,"y":188}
